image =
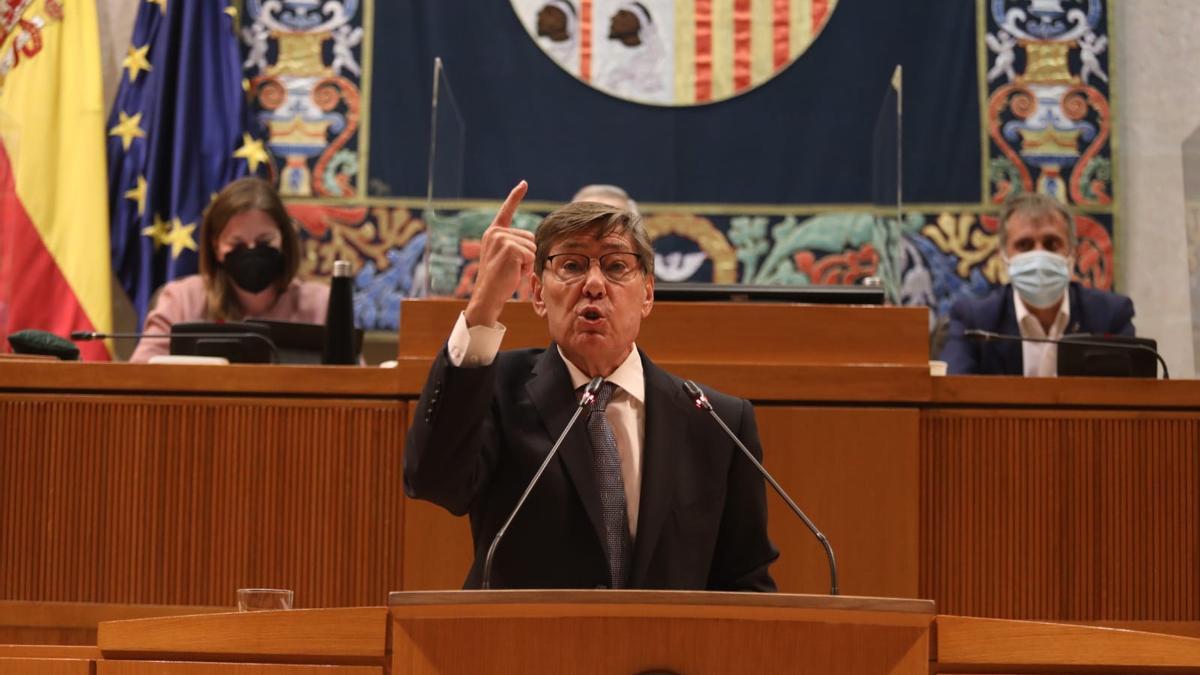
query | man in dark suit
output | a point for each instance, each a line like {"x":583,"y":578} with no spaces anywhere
{"x":646,"y":492}
{"x":1037,"y":235}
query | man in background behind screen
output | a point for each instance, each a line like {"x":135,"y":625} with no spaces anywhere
{"x":1037,"y":235}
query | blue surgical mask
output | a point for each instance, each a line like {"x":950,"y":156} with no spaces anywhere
{"x":1040,"y":277}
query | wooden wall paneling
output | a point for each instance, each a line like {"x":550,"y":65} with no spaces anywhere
{"x":854,"y":472}
{"x":1061,"y":515}
{"x":183,"y":500}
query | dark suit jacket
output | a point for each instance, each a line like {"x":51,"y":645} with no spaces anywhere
{"x":1092,"y":311}
{"x":480,"y":434}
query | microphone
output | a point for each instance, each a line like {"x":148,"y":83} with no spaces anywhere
{"x":589,"y":395}
{"x":84,"y":336}
{"x":989,"y":336}
{"x":702,"y":403}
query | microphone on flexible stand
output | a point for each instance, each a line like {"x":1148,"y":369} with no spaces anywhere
{"x":84,"y":336}
{"x":989,"y":336}
{"x":589,"y":395}
{"x":693,"y":391}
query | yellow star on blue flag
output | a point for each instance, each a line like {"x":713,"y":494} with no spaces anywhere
{"x":127,"y":128}
{"x":252,"y":151}
{"x":135,"y":61}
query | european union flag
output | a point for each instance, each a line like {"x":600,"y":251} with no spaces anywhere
{"x":177,"y":134}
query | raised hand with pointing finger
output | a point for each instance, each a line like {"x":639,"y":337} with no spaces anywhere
{"x":505,"y":263}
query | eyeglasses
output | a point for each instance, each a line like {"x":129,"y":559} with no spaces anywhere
{"x":618,"y":267}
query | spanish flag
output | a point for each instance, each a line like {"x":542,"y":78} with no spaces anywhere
{"x":55,"y":271}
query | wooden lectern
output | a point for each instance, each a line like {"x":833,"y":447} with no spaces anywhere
{"x":631,"y":632}
{"x":617,"y":632}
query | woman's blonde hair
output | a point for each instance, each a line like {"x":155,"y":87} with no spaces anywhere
{"x":240,"y":196}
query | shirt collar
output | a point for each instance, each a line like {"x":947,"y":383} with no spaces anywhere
{"x":1031,"y":327}
{"x":628,"y":376}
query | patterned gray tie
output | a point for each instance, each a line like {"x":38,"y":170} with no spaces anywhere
{"x":607,"y":464}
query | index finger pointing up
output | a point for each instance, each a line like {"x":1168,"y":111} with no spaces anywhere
{"x":509,"y":208}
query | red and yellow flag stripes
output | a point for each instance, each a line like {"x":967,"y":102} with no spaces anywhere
{"x":54,"y":261}
{"x":724,"y":47}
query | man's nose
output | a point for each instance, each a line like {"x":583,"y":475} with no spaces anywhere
{"x":593,"y":281}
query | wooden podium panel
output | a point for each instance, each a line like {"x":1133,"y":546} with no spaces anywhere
{"x":578,"y":632}
{"x":47,"y":660}
{"x":43,"y":666}
{"x":352,"y":635}
{"x":350,"y":641}
{"x":821,"y":455}
{"x":73,"y":623}
{"x":227,"y":668}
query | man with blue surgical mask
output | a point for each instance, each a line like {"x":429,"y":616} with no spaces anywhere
{"x":1038,"y":240}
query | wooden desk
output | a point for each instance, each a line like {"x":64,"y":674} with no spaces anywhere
{"x":1071,"y":500}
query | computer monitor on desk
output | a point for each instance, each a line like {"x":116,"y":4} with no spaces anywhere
{"x":237,"y":342}
{"x":1107,"y":356}
{"x":281,"y":341}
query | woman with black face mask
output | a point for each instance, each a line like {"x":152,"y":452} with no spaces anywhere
{"x":249,"y":254}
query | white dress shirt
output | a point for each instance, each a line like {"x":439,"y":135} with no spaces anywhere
{"x":1041,"y":358}
{"x":477,"y":346}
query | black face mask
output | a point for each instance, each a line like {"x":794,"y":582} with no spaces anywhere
{"x":253,"y":269}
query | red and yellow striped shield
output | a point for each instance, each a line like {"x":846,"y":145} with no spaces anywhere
{"x":674,"y":52}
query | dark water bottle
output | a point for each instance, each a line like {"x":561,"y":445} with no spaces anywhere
{"x":339,"y":320}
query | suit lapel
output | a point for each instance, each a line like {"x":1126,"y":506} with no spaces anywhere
{"x":669,"y":433}
{"x":1012,"y":356}
{"x":552,"y":395}
{"x":1078,"y":321}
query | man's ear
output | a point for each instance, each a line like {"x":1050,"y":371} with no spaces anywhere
{"x":648,"y":303}
{"x":535,"y":294}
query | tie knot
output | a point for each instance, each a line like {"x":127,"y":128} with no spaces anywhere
{"x":603,"y":396}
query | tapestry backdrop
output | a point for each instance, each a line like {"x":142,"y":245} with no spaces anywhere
{"x":758,"y":136}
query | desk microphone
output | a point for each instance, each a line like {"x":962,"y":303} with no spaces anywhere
{"x":989,"y":336}
{"x":589,"y":395}
{"x":84,"y":336}
{"x":702,"y":403}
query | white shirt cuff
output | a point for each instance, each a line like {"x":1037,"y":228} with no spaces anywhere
{"x":474,"y":346}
